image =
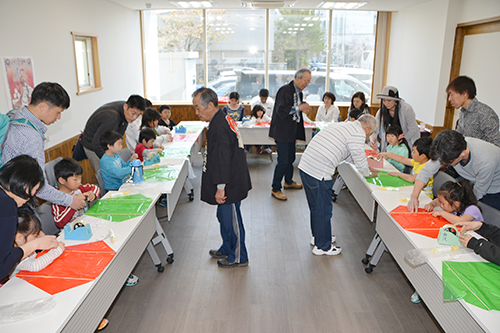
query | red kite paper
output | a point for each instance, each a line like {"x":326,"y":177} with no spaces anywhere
{"x":185,"y":138}
{"x":264,"y":124}
{"x":422,"y":222}
{"x":77,"y":265}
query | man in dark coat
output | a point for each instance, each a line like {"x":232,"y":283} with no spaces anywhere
{"x":225,"y":180}
{"x":287,"y":126}
{"x":111,"y":116}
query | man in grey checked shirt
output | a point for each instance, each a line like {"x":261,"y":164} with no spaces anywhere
{"x":48,"y":101}
{"x":476,"y":120}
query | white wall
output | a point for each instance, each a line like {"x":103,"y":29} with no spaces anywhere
{"x":42,"y":30}
{"x":421,"y":46}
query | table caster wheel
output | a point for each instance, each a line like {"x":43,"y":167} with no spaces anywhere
{"x":334,"y":197}
{"x":369,"y":269}
{"x":170,"y":259}
{"x":191,"y":195}
{"x":366,"y":260}
{"x":160,"y":268}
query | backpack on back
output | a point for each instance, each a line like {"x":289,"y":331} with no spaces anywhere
{"x":6,"y":120}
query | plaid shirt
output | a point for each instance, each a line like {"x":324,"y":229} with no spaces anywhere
{"x":24,"y":140}
{"x":479,"y":121}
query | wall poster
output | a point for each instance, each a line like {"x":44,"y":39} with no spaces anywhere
{"x":19,"y":80}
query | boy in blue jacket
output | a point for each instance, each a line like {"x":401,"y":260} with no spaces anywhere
{"x":114,"y":170}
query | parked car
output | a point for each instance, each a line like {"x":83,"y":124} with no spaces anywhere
{"x":342,"y":86}
{"x":219,"y":82}
{"x":362,"y":74}
{"x":224,"y":91}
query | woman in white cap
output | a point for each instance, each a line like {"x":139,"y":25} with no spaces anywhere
{"x":395,"y":111}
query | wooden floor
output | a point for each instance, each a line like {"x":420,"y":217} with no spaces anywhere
{"x":284,"y":289}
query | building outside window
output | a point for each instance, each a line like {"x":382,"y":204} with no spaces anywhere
{"x":236,"y":52}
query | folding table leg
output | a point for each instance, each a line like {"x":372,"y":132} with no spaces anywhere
{"x":374,"y":253}
{"x":188,"y":187}
{"x":160,"y":238}
{"x":337,"y":187}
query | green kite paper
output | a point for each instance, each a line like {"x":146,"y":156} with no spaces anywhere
{"x":176,"y":152}
{"x":474,"y":282}
{"x":161,"y":174}
{"x":385,"y":180}
{"x":120,"y":209}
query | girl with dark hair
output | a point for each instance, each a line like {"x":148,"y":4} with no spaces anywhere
{"x":358,"y":101}
{"x":398,"y":145}
{"x":458,"y":203}
{"x":259,"y":116}
{"x":395,"y":111}
{"x":28,"y":229}
{"x":234,"y":109}
{"x":20,"y":179}
{"x":150,"y":119}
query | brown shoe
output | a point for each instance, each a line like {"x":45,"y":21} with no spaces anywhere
{"x":293,"y":186}
{"x":279,"y":195}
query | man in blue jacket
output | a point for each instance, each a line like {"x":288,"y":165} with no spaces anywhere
{"x":225,"y":181}
{"x":287,"y":126}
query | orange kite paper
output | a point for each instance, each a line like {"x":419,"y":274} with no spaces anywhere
{"x":185,"y":138}
{"x":422,"y":222}
{"x":77,"y":265}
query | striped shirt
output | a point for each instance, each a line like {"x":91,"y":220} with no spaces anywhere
{"x":33,"y":264}
{"x":24,"y":140}
{"x":332,"y":145}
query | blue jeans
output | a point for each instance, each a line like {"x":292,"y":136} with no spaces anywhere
{"x":319,"y":199}
{"x":232,"y":232}
{"x":284,"y":167}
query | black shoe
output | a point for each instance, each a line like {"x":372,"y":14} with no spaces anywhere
{"x":224,"y":263}
{"x":216,"y":254}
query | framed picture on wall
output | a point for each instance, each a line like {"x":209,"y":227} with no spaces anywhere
{"x":19,"y":80}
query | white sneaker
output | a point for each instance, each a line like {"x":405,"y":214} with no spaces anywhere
{"x":132,"y":280}
{"x":333,"y":239}
{"x":334,"y":250}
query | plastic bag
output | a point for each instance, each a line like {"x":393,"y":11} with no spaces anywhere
{"x":385,"y":180}
{"x":176,"y":152}
{"x":474,"y":282}
{"x":185,"y":138}
{"x":422,"y":222}
{"x":121,"y":208}
{"x":79,"y":264}
{"x":26,"y":310}
{"x":161,"y":174}
{"x":418,"y":257}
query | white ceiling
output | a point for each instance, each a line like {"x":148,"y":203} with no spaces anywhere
{"x":377,"y":5}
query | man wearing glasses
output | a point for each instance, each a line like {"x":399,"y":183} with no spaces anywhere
{"x":111,"y":116}
{"x":476,"y":160}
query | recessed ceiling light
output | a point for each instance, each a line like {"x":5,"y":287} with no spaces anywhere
{"x":341,"y":5}
{"x":267,"y":4}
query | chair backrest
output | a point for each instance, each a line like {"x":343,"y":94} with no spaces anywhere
{"x":490,"y":214}
{"x":100,"y":182}
{"x":125,"y":154}
{"x":439,"y":179}
{"x":47,"y":219}
{"x":49,"y":172}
